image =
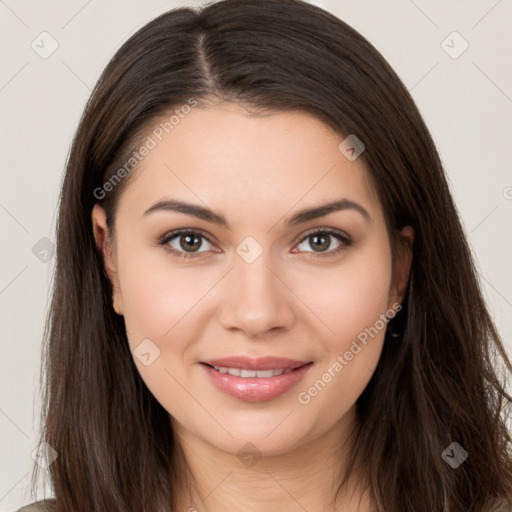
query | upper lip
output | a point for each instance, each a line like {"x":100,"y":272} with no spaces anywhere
{"x":258,"y":363}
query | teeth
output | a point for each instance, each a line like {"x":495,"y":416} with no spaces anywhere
{"x":262,"y":374}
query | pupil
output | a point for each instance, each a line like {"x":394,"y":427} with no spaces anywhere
{"x":324,"y":245}
{"x":196,"y":242}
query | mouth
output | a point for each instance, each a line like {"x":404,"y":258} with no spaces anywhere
{"x":242,"y":372}
{"x":258,"y":363}
{"x":256,"y":385}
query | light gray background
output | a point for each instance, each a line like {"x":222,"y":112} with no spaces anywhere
{"x":466,"y":103}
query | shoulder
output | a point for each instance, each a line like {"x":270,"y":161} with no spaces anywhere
{"x":39,"y":506}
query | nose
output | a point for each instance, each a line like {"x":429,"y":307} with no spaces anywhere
{"x":256,"y":298}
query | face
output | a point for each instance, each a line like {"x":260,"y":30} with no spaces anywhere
{"x":262,"y":283}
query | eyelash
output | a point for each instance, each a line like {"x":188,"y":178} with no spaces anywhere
{"x":346,"y":242}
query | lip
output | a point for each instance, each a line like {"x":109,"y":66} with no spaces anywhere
{"x":257,"y":363}
{"x":255,"y":389}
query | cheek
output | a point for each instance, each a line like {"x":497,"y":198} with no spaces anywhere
{"x":352,"y":303}
{"x":158,"y":297}
{"x":158,"y":308}
{"x":351,"y":297}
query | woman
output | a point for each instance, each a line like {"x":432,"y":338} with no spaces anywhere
{"x":264,"y":298}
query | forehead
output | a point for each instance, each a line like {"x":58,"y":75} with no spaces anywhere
{"x":227,"y":157}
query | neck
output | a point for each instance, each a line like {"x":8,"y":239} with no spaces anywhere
{"x":304,"y":478}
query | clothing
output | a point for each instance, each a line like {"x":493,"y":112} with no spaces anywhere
{"x":39,"y":506}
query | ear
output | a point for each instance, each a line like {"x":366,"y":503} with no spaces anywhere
{"x":105,"y":246}
{"x":402,"y":267}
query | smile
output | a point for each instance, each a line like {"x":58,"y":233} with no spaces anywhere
{"x":261,"y":374}
{"x":255,"y":385}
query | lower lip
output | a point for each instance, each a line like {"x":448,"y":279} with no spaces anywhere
{"x":255,"y":389}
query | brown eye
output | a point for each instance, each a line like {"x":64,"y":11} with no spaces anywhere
{"x":321,"y":241}
{"x":185,"y":243}
{"x":190,"y":242}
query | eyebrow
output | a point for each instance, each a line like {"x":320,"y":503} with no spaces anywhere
{"x":300,"y":217}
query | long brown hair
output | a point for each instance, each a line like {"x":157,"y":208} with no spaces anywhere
{"x":434,"y":385}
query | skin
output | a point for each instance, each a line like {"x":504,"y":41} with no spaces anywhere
{"x":257,"y":171}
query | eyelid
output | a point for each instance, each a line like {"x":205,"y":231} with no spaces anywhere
{"x":331,"y":231}
{"x":344,"y":239}
{"x":171,"y":235}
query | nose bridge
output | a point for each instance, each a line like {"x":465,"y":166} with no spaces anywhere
{"x":258,"y":300}
{"x":254,"y":279}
